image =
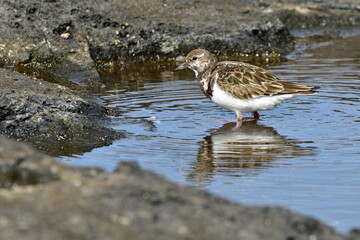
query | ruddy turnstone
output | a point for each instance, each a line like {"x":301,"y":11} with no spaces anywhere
{"x":238,"y":86}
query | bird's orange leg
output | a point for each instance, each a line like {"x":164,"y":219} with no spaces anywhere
{"x":256,"y":116}
{"x":240,"y":119}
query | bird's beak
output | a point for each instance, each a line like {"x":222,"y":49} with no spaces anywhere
{"x":181,"y":67}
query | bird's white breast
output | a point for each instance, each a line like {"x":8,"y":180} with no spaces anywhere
{"x":227,"y":101}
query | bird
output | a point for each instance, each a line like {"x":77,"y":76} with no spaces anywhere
{"x":240,"y":87}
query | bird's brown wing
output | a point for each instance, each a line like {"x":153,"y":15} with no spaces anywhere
{"x":245,"y":81}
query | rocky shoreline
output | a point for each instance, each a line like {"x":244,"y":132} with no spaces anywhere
{"x":52,"y":117}
{"x":55,"y":40}
{"x":84,"y":33}
{"x":81,"y":43}
{"x":43,"y":199}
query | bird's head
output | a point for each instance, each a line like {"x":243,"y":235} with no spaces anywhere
{"x":198,"y":60}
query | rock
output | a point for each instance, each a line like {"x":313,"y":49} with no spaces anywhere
{"x":81,"y":32}
{"x":52,"y":117}
{"x":315,"y":14}
{"x":131,"y":203}
{"x":21,"y":165}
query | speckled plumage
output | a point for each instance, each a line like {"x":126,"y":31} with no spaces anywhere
{"x":238,"y":86}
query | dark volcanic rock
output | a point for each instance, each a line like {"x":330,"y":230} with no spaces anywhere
{"x":54,"y":32}
{"x":21,"y":165}
{"x":131,"y":203}
{"x":78,"y":32}
{"x":50,"y":116}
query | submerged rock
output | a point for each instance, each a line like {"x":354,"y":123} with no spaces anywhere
{"x":131,"y":203}
{"x":51,"y":117}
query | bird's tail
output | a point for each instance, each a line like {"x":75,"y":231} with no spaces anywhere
{"x":290,"y":87}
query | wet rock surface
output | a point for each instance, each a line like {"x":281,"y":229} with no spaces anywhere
{"x":52,"y":117}
{"x":80,"y":33}
{"x":131,"y":203}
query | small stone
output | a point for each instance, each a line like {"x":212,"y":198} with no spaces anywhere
{"x":312,"y":237}
{"x":65,"y":35}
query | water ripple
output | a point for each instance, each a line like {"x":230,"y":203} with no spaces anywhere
{"x":303,"y":155}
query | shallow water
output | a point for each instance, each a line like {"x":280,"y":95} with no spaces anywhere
{"x":304,"y":155}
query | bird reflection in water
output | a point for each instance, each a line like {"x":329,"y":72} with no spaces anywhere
{"x":239,"y":148}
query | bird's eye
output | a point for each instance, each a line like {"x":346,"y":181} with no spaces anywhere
{"x":194,"y":58}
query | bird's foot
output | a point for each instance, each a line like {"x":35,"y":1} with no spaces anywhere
{"x":256,"y":117}
{"x":240,"y":119}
